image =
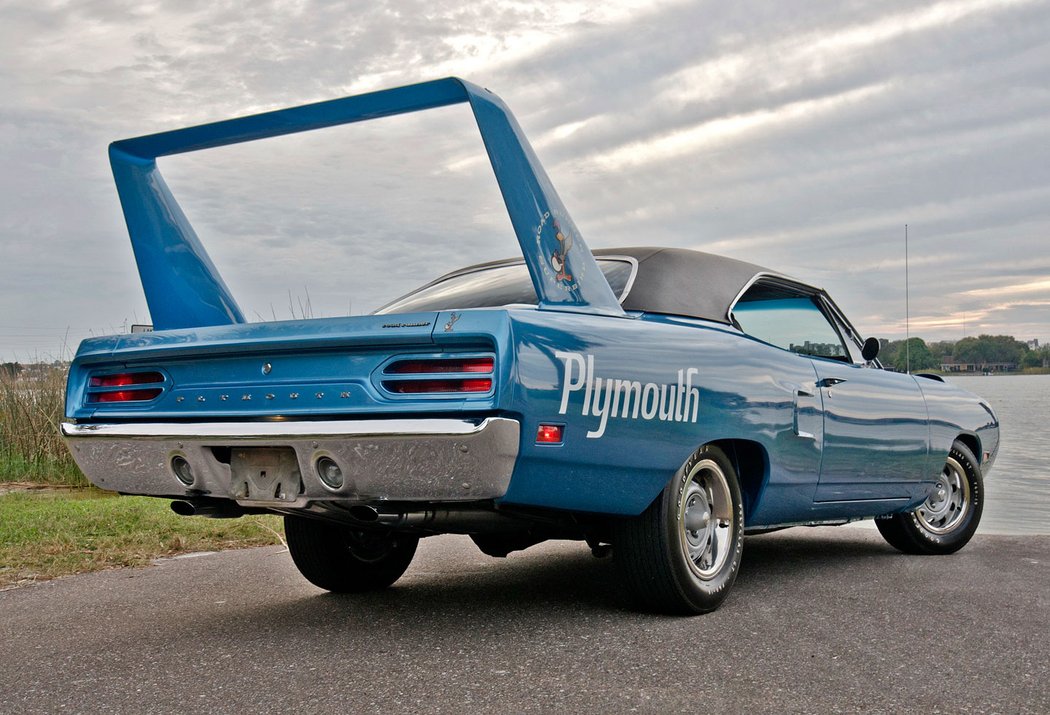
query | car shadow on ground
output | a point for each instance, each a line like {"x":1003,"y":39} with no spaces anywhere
{"x":801,"y":549}
{"x":561,"y":584}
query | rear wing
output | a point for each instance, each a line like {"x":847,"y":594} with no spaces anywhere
{"x":182,"y":286}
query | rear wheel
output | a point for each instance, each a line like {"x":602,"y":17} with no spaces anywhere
{"x":949,"y":517}
{"x":682,"y":554}
{"x":345,"y":560}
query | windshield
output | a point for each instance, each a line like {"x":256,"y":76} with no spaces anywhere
{"x":505,"y":284}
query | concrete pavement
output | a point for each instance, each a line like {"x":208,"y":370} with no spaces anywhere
{"x":821,"y":620}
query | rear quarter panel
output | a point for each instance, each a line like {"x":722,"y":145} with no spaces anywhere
{"x":622,"y":469}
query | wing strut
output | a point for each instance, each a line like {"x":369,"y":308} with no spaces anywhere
{"x":184,"y":289}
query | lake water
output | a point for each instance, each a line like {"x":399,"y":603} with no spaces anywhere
{"x":1017,"y":489}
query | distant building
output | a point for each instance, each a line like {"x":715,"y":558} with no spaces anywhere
{"x":949,"y":364}
{"x":1033,"y":344}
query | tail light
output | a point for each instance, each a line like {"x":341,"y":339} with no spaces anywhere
{"x":408,"y":387}
{"x":123,"y":379}
{"x":126,"y":395}
{"x":145,"y":386}
{"x":457,"y":375}
{"x":441,"y":365}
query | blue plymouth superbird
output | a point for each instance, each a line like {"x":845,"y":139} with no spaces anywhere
{"x":655,"y":402}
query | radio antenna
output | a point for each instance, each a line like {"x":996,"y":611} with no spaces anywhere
{"x":907,"y":308}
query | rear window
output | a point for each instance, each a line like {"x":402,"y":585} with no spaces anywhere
{"x":492,"y":287}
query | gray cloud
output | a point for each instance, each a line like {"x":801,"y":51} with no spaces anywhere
{"x":798,"y":135}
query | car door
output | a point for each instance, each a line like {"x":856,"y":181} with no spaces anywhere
{"x":876,"y":435}
{"x":875,"y":427}
{"x":878,"y":421}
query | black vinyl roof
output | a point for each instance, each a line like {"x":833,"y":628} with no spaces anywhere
{"x":673,"y":281}
{"x":679,"y":281}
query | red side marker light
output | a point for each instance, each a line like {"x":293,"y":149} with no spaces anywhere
{"x":550,"y":434}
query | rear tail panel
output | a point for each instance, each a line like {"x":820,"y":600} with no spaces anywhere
{"x":315,"y":369}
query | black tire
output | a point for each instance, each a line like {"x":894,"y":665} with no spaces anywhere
{"x":664,"y":565}
{"x":949,"y":518}
{"x":345,"y":560}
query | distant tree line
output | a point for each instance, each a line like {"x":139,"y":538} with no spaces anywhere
{"x":981,"y":352}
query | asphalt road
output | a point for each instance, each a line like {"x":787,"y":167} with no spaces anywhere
{"x":821,"y":620}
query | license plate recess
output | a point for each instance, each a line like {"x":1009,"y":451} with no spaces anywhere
{"x":265,"y":474}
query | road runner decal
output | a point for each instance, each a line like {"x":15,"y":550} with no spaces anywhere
{"x":605,"y":397}
{"x":556,"y":264}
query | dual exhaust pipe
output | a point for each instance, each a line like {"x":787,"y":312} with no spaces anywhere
{"x":450,"y":519}
{"x":210,"y":508}
{"x":446,"y":519}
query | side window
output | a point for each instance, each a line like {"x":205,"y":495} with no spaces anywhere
{"x":789,"y":321}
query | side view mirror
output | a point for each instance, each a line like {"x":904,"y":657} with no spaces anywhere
{"x":870,"y":351}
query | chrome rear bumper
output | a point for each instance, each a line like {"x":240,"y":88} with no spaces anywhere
{"x":381,"y":460}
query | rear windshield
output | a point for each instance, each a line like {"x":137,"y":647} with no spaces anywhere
{"x":493,"y":287}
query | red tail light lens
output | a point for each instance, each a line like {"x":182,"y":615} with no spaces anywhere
{"x":125,"y":395}
{"x":124,"y":379}
{"x":441,"y":365}
{"x":457,"y":375}
{"x":415,"y":387}
{"x":145,"y":386}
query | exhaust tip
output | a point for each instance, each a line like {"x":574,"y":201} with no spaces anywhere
{"x":364,"y":513}
{"x":183,"y":508}
{"x":182,"y":470}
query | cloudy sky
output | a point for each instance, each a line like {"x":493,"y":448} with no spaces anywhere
{"x":799,"y":135}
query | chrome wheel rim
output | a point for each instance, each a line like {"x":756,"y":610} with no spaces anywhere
{"x":947,"y":506}
{"x":705,"y":519}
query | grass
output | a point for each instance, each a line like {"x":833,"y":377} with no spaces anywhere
{"x":49,"y":533}
{"x":56,"y":532}
{"x":31,"y":449}
{"x":46,"y":533}
{"x":43,"y":470}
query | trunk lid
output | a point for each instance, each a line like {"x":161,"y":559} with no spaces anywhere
{"x":319,"y":368}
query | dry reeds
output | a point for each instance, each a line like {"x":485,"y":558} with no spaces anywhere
{"x":31,"y":408}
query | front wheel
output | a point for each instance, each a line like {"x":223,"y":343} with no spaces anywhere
{"x":682,"y":554}
{"x":344,"y":560}
{"x":949,"y":516}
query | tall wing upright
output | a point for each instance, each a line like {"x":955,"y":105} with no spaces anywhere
{"x":183,"y":287}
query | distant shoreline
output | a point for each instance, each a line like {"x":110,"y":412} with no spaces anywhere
{"x":1016,"y":373}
